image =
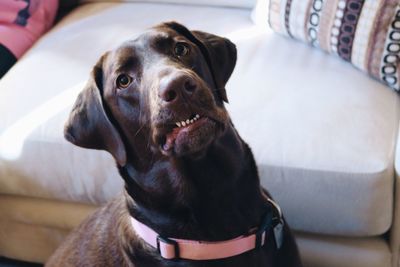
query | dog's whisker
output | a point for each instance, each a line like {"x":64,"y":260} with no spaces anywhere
{"x":137,"y":132}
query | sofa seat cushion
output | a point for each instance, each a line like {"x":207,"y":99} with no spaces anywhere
{"x":31,"y":229}
{"x":30,"y":232}
{"x":323,"y":134}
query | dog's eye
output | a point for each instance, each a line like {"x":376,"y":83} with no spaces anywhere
{"x":123,"y":81}
{"x":181,"y":49}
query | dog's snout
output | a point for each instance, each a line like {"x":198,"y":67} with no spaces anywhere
{"x":177,"y":88}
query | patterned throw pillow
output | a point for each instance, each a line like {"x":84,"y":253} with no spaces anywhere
{"x":363,"y":32}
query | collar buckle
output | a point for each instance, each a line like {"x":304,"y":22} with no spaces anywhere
{"x":262,"y":230}
{"x":271,"y":220}
{"x":164,"y":248}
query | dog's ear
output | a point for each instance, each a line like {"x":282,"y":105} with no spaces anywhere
{"x":223,"y":57}
{"x":220,"y":54}
{"x":88,"y":125}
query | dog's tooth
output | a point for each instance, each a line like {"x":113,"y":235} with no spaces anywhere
{"x":195,"y":119}
{"x":197,"y":116}
{"x":183,"y":123}
{"x":178,"y":124}
{"x":187,"y":121}
{"x":191,"y":121}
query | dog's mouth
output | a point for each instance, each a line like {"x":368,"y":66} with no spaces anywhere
{"x":188,"y":136}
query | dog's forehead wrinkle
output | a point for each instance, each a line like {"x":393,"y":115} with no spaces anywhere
{"x":152,"y":37}
{"x":158,"y":34}
{"x":126,"y":57}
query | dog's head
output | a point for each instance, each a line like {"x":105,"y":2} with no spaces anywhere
{"x":163,"y":91}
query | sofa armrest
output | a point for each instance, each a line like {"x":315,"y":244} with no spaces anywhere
{"x":395,"y":230}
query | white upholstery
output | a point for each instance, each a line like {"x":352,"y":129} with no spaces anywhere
{"x":395,"y":233}
{"x":323,"y":133}
{"x":325,"y":251}
{"x":32,"y":228}
{"x":223,"y":3}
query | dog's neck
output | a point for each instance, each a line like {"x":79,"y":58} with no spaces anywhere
{"x":213,"y":197}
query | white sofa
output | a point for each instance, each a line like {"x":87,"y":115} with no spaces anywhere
{"x":324,"y":134}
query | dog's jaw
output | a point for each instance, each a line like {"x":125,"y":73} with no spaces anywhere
{"x":176,"y":134}
{"x":191,"y":138}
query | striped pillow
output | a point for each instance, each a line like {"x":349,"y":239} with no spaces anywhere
{"x":363,"y":32}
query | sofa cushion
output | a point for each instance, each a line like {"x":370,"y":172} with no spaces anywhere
{"x":323,"y":134}
{"x":326,"y":251}
{"x":31,"y":229}
{"x":365,"y":33}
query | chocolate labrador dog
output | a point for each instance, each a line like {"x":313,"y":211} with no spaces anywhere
{"x":193,"y":196}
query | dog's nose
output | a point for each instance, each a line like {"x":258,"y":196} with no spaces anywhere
{"x":178,"y":87}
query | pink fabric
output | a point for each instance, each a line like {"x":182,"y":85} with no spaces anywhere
{"x":197,"y":250}
{"x":22,"y":22}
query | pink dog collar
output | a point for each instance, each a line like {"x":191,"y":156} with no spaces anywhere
{"x":172,"y":248}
